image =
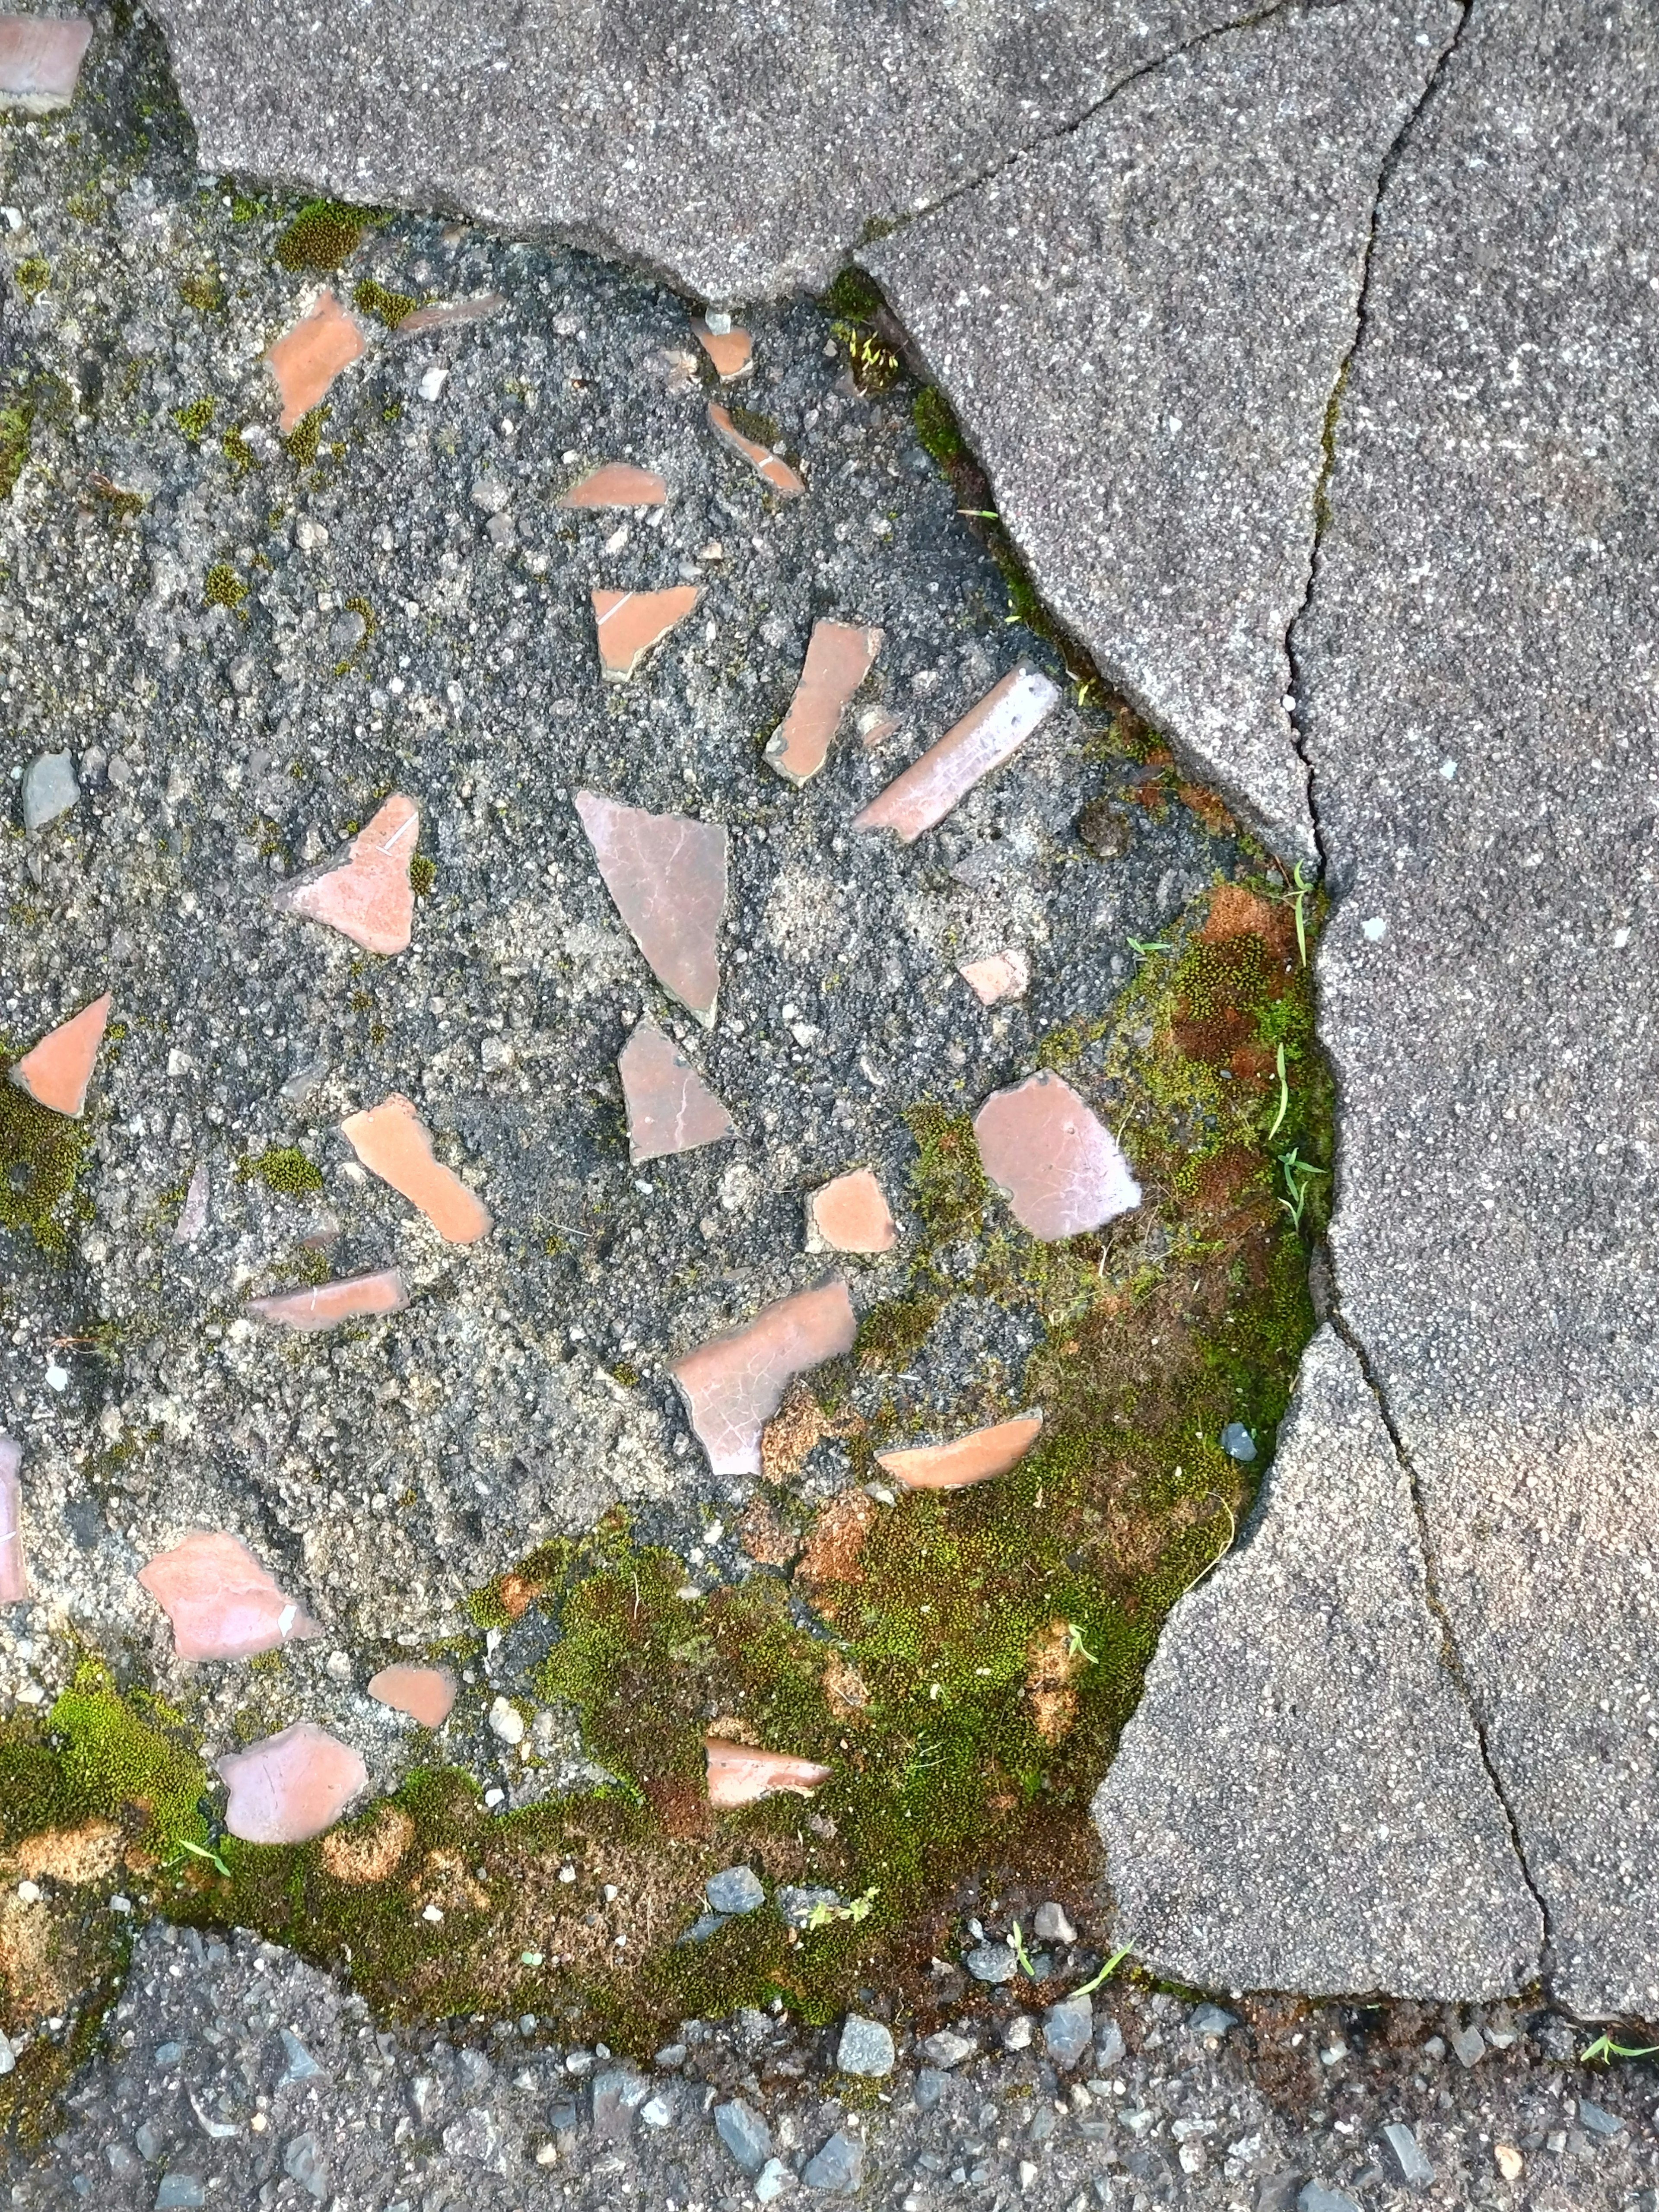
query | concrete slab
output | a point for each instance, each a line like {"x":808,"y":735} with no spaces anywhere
{"x":1300,"y":1801}
{"x":1140,"y":326}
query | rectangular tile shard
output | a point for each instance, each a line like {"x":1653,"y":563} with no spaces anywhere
{"x":306,"y":359}
{"x":733,"y":1384}
{"x":772,"y":471}
{"x":978,"y":1457}
{"x":670,"y":1108}
{"x":220,"y":1602}
{"x":838,"y":658}
{"x":14,"y":1573}
{"x":616,"y":483}
{"x":1059,"y":1168}
{"x":987,"y":735}
{"x":287,"y":1788}
{"x":40,"y":58}
{"x":667,"y":875}
{"x":741,"y":1775}
{"x":351,"y":1298}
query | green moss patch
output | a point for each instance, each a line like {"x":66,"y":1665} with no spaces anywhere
{"x":386,"y":306}
{"x":41,"y":1156}
{"x":323,"y":234}
{"x":284,"y":1168}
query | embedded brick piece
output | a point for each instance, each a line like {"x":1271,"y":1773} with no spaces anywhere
{"x":427,"y":1694}
{"x":618,"y":483}
{"x":14,"y":1572}
{"x":288,"y":1788}
{"x":629,"y":623}
{"x":1000,"y":975}
{"x":667,"y":875}
{"x":739,"y":1775}
{"x":40,"y":60}
{"x":735,"y":1385}
{"x":767,"y":465}
{"x":987,"y":736}
{"x":442,"y":313}
{"x":370,"y":899}
{"x":976,"y":1457}
{"x":392,"y":1143}
{"x":331,"y":1304}
{"x":732,"y":351}
{"x":850,"y":1214}
{"x":221,"y":1602}
{"x":670,"y":1108}
{"x":838,"y":658}
{"x":1058,"y":1166}
{"x":56,"y":1072}
{"x":306,"y":359}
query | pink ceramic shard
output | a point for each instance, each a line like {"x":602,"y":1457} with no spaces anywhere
{"x":876,"y":726}
{"x":733,"y":1385}
{"x":442,"y":313}
{"x":306,"y":359}
{"x":767,"y":465}
{"x":629,"y":623}
{"x":56,"y":1072}
{"x":14,"y":1572}
{"x":427,"y":1694}
{"x":851,"y":1214}
{"x":976,"y":1457}
{"x":1001,"y":976}
{"x":838,"y":658}
{"x":193,"y":1213}
{"x":392,"y":1142}
{"x":221,"y":1602}
{"x":986,"y":735}
{"x":370,"y":899}
{"x":731,"y":350}
{"x":618,"y":483}
{"x":1059,"y":1168}
{"x":670,"y":1108}
{"x":739,"y":1775}
{"x":288,"y":1788}
{"x":40,"y":60}
{"x":331,"y":1304}
{"x":667,"y":875}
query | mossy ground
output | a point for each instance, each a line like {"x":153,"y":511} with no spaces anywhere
{"x":41,"y":1156}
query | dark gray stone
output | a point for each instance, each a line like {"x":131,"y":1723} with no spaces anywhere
{"x":1598,"y":2121}
{"x":838,"y":2167}
{"x":1307,"y":1808}
{"x":1414,"y":2168}
{"x":736,"y":1889}
{"x":1067,"y":2030}
{"x":1050,"y":1925}
{"x":48,"y":789}
{"x":1211,"y":2019}
{"x":992,"y":1962}
{"x":744,"y":2134}
{"x":946,"y":2049}
{"x":1469,"y":2045}
{"x":303,"y":2160}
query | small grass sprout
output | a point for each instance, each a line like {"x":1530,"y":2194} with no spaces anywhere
{"x":1604,"y":2050}
{"x":1284,"y":1098}
{"x":1300,"y":1175}
{"x":858,"y":1908}
{"x":1105,"y":1973}
{"x":1016,"y":1944}
{"x":197,"y":1851}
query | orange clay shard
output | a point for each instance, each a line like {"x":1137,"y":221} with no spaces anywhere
{"x":1060,"y":1169}
{"x":986,"y":735}
{"x":392,"y":1143}
{"x":288,"y":1788}
{"x":851,"y":1214}
{"x":977,"y":1457}
{"x":739,"y":1775}
{"x":40,"y":61}
{"x":221,"y":1602}
{"x":618,"y":483}
{"x":733,"y":1384}
{"x":732,"y":351}
{"x":838,"y":658}
{"x":370,"y":899}
{"x":56,"y":1072}
{"x":629,"y":623}
{"x":306,"y":359}
{"x":427,"y":1694}
{"x":330,"y":1303}
{"x":999,"y":975}
{"x":666,"y":874}
{"x":767,"y":467}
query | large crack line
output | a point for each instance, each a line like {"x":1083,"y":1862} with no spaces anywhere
{"x":1450,"y":1657}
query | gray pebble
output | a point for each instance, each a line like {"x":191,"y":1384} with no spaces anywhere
{"x":735,"y":1889}
{"x":1316,"y":2197}
{"x":48,"y":789}
{"x":302,"y":2161}
{"x":1050,"y":1925}
{"x":797,"y":1905}
{"x":946,"y":2049}
{"x":1470,"y":2045}
{"x":347,"y":631}
{"x":866,"y":2047}
{"x":1212,"y":2019}
{"x":148,"y":2138}
{"x":1597,"y":2120}
{"x":301,"y":2064}
{"x":771,"y":2181}
{"x":705,"y":1925}
{"x":180,"y":2192}
{"x":744,"y":2134}
{"x":992,"y":1962}
{"x":168,"y":2054}
{"x":930,"y":2086}
{"x":1237,"y":1442}
{"x":839,"y":2165}
{"x":617,"y":2094}
{"x":1414,"y":2169}
{"x":1108,"y":2045}
{"x":1068,"y":2030}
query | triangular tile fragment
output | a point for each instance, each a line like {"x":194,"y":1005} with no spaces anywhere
{"x":1060,"y":1169}
{"x":767,"y":466}
{"x":287,"y":1788}
{"x":986,"y":735}
{"x":56,"y":1072}
{"x":670,"y":1108}
{"x":667,"y":875}
{"x":306,"y":359}
{"x":976,"y":1457}
{"x":392,"y":1142}
{"x":733,"y":1384}
{"x":999,"y":975}
{"x":618,"y":483}
{"x":838,"y":657}
{"x":370,"y":899}
{"x":629,"y":623}
{"x":221,"y":1602}
{"x":739,"y":1775}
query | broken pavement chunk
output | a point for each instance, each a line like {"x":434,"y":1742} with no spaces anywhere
{"x":618,"y":483}
{"x":976,"y":1457}
{"x":427,"y":1694}
{"x":40,"y":61}
{"x":370,"y":899}
{"x":670,"y":1108}
{"x":731,"y":350}
{"x":667,"y":875}
{"x":14,"y":1572}
{"x":629,"y":623}
{"x":1058,"y":1166}
{"x":221,"y":1602}
{"x":838,"y":658}
{"x":306,"y":359}
{"x":767,"y":465}
{"x":330,"y":1303}
{"x":733,"y":1384}
{"x":392,"y":1143}
{"x":850,"y":1214}
{"x":987,"y":734}
{"x":56,"y":1072}
{"x":739,"y":1775}
{"x":288,"y":1788}
{"x":999,"y":975}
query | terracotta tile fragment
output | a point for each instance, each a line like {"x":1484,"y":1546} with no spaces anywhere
{"x":442,"y":313}
{"x":306,"y":359}
{"x":1000,"y":976}
{"x":876,"y":726}
{"x":850,"y":1214}
{"x":221,"y":1602}
{"x":288,"y":1788}
{"x":732,"y":351}
{"x":427,"y":1694}
{"x":976,"y":1457}
{"x":735,"y":1385}
{"x":618,"y":483}
{"x":629,"y":623}
{"x":667,"y":875}
{"x":1060,"y":1169}
{"x":767,"y":466}
{"x":838,"y":658}
{"x":740,"y":1775}
{"x":392,"y":1143}
{"x":670,"y":1108}
{"x":14,"y":1571}
{"x":193,"y":1213}
{"x":40,"y":61}
{"x":56,"y":1072}
{"x":370,"y":899}
{"x":331,"y":1304}
{"x":987,"y":734}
